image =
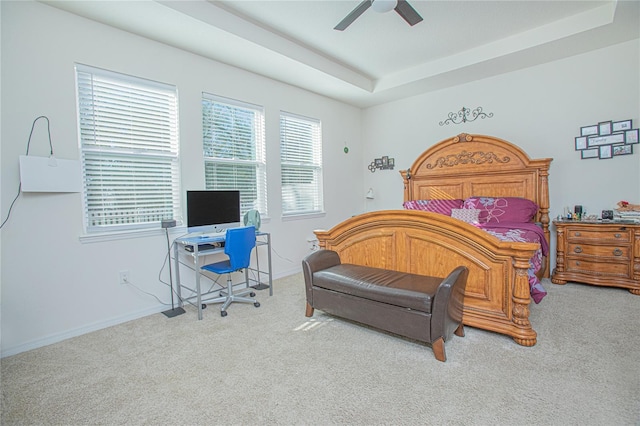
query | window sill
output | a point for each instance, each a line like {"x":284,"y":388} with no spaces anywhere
{"x":301,"y":216}
{"x":125,"y":235}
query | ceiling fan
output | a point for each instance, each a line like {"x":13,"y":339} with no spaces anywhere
{"x":402,"y":7}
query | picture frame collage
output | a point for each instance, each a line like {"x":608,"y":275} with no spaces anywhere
{"x":383,"y":163}
{"x":606,"y":140}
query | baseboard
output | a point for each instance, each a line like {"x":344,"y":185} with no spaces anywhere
{"x":59,"y":337}
{"x":288,"y":272}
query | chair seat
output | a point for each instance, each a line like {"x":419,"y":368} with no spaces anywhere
{"x":222,"y":267}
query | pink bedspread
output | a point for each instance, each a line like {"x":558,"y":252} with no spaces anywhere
{"x":524,"y":232}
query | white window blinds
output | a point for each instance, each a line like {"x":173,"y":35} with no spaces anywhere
{"x":234,"y":150}
{"x":130,"y":152}
{"x":301,"y":164}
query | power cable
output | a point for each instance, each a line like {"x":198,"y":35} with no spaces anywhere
{"x":28,"y":144}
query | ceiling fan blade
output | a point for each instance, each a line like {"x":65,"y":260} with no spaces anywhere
{"x":408,"y":13}
{"x":355,"y":13}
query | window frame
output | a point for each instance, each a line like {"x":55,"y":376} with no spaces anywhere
{"x":108,"y":153}
{"x":313,"y":163}
{"x":255,"y":197}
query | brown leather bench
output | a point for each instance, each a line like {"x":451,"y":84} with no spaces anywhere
{"x":427,"y":309}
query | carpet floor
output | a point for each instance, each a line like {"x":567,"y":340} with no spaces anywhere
{"x":272,"y":365}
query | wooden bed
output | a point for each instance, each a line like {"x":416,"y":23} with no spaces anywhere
{"x":497,"y":295}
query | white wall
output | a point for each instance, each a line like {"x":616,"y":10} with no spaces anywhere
{"x":540,"y":109}
{"x":53,"y":285}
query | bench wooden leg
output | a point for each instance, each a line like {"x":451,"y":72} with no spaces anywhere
{"x":438,"y":349}
{"x":459,"y":331}
{"x":309,"y":312}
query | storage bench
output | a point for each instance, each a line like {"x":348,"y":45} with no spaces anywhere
{"x":423,"y":308}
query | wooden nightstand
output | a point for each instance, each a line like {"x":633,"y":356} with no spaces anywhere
{"x":598,"y":253}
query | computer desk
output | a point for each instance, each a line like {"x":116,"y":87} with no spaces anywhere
{"x":179,"y":248}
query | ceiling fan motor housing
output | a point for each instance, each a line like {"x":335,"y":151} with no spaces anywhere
{"x":402,"y":7}
{"x":383,"y":6}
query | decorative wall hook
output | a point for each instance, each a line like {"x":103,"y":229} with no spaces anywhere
{"x":384,"y":163}
{"x":462,"y":116}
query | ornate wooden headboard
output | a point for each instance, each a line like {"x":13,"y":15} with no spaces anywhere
{"x":477,"y":165}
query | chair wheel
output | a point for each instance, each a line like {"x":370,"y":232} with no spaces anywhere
{"x":223,"y":313}
{"x":252,"y":294}
{"x":257,"y":304}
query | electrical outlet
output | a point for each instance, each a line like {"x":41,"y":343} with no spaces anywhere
{"x":313,"y":244}
{"x":124,"y":277}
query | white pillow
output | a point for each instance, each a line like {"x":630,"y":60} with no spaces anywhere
{"x":467,"y":215}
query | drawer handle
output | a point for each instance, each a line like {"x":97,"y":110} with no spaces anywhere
{"x":577,"y":234}
{"x":617,"y":252}
{"x":618,"y":235}
{"x":578,"y":249}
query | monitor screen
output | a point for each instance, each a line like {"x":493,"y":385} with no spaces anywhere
{"x":212,"y":211}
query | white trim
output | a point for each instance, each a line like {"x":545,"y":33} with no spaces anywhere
{"x":99,"y":325}
{"x":232,"y":102}
{"x":120,"y":76}
{"x":298,"y":216}
{"x":124,"y":235}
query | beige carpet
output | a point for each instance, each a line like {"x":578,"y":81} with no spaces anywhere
{"x":272,"y":365}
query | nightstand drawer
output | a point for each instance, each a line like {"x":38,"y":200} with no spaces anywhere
{"x":598,"y":268}
{"x":598,"y":235}
{"x":589,"y":250}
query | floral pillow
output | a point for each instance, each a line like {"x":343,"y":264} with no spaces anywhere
{"x":435,"y":206}
{"x":502,"y":209}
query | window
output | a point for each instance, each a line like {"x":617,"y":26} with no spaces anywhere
{"x":301,"y":164}
{"x":234,"y":150}
{"x":130,"y":152}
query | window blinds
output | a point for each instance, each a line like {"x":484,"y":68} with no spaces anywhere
{"x":234,"y":150}
{"x":301,"y":164}
{"x":130,"y":151}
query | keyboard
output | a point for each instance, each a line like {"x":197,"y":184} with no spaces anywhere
{"x":203,"y":247}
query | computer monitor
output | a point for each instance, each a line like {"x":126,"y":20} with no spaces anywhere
{"x":212,"y":211}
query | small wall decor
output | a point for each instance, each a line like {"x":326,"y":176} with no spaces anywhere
{"x":462,"y":116}
{"x":606,"y":139}
{"x":383,"y":163}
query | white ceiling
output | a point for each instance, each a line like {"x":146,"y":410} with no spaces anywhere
{"x":379,"y":57}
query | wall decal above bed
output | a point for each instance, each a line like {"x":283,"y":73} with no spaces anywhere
{"x":606,"y":139}
{"x":462,"y":116}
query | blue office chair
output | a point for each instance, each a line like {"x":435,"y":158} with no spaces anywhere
{"x":238,"y":245}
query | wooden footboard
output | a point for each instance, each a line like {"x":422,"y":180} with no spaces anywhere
{"x":497,"y":293}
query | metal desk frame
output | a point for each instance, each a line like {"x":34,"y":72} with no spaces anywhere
{"x":179,"y":247}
